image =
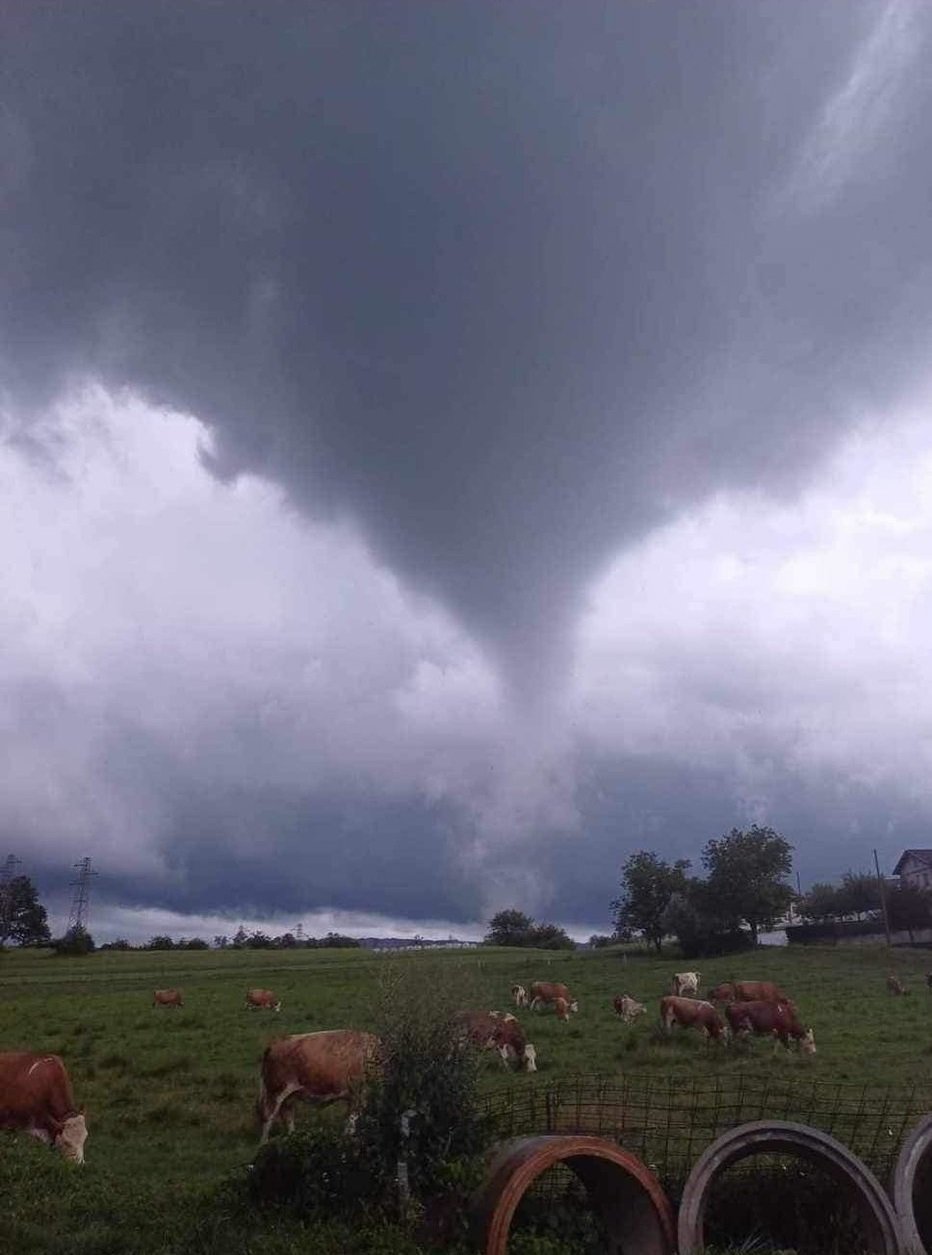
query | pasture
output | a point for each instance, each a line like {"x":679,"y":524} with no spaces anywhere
{"x":170,"y":1093}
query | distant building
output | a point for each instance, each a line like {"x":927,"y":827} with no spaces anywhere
{"x":915,"y":868}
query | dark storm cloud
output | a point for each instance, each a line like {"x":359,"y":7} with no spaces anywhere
{"x":506,"y":284}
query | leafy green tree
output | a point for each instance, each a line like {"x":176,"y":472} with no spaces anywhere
{"x":160,"y":942}
{"x":822,"y":902}
{"x":909,"y":908}
{"x":510,"y":928}
{"x":23,"y":918}
{"x":746,"y":876}
{"x":859,"y":894}
{"x":75,"y":943}
{"x":700,"y":928}
{"x":551,"y":937}
{"x":648,"y":884}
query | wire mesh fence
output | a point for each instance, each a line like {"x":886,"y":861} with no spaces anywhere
{"x":669,"y":1121}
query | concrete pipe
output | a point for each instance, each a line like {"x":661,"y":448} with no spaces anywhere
{"x":622,"y":1190}
{"x":880,"y":1228}
{"x":912,"y":1188}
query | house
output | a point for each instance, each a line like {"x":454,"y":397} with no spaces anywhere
{"x":915,"y":868}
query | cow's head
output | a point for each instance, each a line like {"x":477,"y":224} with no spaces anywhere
{"x":574,"y":1005}
{"x":722,"y":993}
{"x":278,"y":1006}
{"x":71,"y":1138}
{"x":807,"y":1042}
{"x":530,"y":1058}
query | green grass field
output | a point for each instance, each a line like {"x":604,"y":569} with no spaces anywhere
{"x":170,"y":1093}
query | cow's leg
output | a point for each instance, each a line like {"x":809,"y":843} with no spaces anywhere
{"x":280,"y":1101}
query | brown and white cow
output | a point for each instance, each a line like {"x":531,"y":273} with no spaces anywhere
{"x":628,"y":1008}
{"x":490,"y":1031}
{"x":749,"y":991}
{"x":519,"y":994}
{"x":35,"y":1096}
{"x":562,"y":1008}
{"x":685,"y":984}
{"x":776,"y":1019}
{"x":544,"y":992}
{"x":319,"y":1068}
{"x":166,"y":998}
{"x":263,"y":999}
{"x":896,"y":986}
{"x":692,"y":1013}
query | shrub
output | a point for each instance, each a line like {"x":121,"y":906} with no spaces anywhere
{"x":75,"y":942}
{"x":427,"y":1069}
{"x":318,"y":1168}
{"x":420,"y":1108}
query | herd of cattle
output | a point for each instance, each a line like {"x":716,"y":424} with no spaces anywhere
{"x":328,"y":1066}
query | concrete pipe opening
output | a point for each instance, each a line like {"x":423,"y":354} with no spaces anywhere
{"x":878,"y":1226}
{"x":912,"y":1188}
{"x":622,"y":1191}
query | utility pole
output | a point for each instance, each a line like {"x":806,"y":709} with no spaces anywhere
{"x":79,"y":902}
{"x":883,"y":900}
{"x":6,"y":895}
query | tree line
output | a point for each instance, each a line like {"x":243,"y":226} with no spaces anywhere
{"x":857,"y":897}
{"x":745,"y":891}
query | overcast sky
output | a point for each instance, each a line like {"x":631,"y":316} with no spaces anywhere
{"x":444,"y":448}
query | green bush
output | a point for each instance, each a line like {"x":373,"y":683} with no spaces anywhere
{"x":317,"y":1169}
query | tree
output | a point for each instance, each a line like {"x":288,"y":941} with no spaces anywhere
{"x":510,"y":928}
{"x":700,"y":927}
{"x":746,"y":876}
{"x":859,"y":894}
{"x":75,"y":943}
{"x":23,"y":919}
{"x":648,"y":884}
{"x":240,"y":937}
{"x":821,"y":902}
{"x":909,"y":908}
{"x":551,"y":937}
{"x":160,"y":942}
{"x":598,"y":941}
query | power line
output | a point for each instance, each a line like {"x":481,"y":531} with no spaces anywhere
{"x":79,"y":902}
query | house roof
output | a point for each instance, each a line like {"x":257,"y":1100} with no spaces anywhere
{"x":923,"y":856}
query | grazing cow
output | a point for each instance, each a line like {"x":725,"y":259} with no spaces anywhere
{"x":166,"y":998}
{"x":544,"y":992}
{"x":685,"y":983}
{"x":749,"y":991}
{"x":320,"y":1068}
{"x":489,"y":1031}
{"x":562,"y":1008}
{"x":519,"y":994}
{"x":692,"y":1013}
{"x":35,"y":1095}
{"x":777,"y":1019}
{"x":628,"y":1009}
{"x":263,"y":999}
{"x":896,"y":986}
